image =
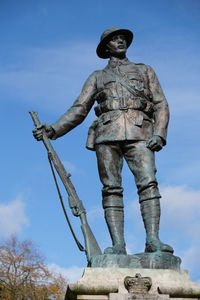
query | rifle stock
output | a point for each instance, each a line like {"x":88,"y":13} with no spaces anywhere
{"x":76,"y":205}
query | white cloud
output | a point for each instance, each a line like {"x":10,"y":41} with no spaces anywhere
{"x":12,"y":217}
{"x":73,"y":169}
{"x":180,"y":225}
{"x":70,"y":168}
{"x":181,"y":207}
{"x":190,"y":258}
{"x":94,"y":213}
{"x":180,"y":211}
{"x":180,"y":215}
{"x":71,"y":274}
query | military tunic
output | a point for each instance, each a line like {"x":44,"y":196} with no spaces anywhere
{"x":124,"y":119}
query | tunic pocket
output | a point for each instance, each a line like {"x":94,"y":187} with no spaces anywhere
{"x":134,"y":76}
{"x":136,"y":117}
{"x":136,"y":81}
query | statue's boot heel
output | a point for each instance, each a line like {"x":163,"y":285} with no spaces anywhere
{"x":154,"y":245}
{"x":117,"y":249}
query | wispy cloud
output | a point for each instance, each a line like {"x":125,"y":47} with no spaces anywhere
{"x":180,"y":225}
{"x":71,"y":274}
{"x":190,"y":259}
{"x":71,"y":168}
{"x":49,"y":79}
{"x":181,"y":207}
{"x":13,"y":217}
{"x":94,"y":213}
{"x":180,"y":217}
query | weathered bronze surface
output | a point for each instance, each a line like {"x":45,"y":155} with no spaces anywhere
{"x":155,"y":260}
{"x":132,"y":120}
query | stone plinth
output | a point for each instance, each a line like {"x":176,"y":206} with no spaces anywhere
{"x":108,"y":284}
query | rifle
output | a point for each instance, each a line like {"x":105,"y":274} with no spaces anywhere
{"x":91,"y":246}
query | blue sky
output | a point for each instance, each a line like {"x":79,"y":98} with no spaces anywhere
{"x":47,"y":52}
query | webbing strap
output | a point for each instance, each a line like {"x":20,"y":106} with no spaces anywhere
{"x":121,"y":80}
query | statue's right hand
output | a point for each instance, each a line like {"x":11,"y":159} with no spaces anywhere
{"x":38,"y":131}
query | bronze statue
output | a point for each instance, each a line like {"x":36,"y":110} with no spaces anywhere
{"x":132,"y":123}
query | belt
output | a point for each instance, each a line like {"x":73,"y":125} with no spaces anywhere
{"x":124,"y":104}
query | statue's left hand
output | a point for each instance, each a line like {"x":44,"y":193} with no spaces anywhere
{"x":155,"y":143}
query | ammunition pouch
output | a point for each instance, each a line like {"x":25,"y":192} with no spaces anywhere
{"x":91,"y":136}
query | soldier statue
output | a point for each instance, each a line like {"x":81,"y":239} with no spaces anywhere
{"x":132,"y":123}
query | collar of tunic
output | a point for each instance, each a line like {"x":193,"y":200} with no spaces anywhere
{"x":115,"y":62}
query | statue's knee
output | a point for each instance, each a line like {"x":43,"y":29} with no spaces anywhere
{"x":149,"y":193}
{"x":110,"y":190}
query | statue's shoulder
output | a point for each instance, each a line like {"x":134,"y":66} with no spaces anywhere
{"x":93,"y":77}
{"x":142,"y":66}
{"x":146,"y":69}
{"x":97,"y":73}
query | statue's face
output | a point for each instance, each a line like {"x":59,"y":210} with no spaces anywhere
{"x":117,"y":46}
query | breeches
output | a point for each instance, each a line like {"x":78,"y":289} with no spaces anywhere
{"x":141,"y":162}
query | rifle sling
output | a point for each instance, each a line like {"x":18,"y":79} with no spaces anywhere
{"x":81,"y":248}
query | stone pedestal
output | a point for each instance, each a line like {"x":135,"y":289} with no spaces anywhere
{"x":137,"y":297}
{"x":108,"y":284}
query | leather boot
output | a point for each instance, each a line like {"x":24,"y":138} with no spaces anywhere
{"x":115,"y":221}
{"x":150,"y":210}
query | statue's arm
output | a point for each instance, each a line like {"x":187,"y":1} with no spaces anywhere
{"x":78,"y":111}
{"x":161,"y":113}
